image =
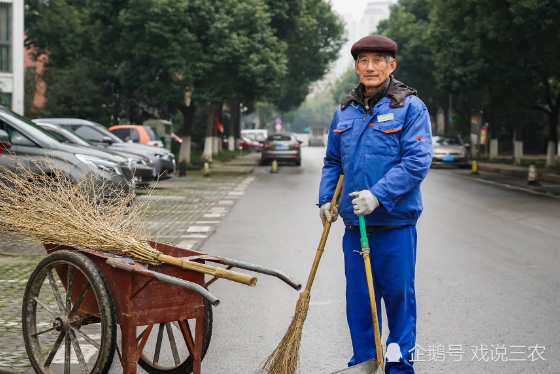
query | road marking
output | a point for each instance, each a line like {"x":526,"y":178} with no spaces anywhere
{"x":199,"y":229}
{"x":502,"y":185}
{"x":211,"y":215}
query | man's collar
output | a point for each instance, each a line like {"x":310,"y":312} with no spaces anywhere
{"x":396,"y":90}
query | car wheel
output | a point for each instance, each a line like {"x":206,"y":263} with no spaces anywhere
{"x":298,"y":162}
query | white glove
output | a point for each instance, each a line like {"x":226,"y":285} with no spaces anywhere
{"x":365,"y":203}
{"x":325,"y":213}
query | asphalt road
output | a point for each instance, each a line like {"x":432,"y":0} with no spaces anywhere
{"x":487,"y":276}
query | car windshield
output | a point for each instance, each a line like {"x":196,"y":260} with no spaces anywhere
{"x":151,"y":133}
{"x":279,"y":138}
{"x":30,"y":129}
{"x":255,"y":136}
{"x":447,"y":140}
{"x":68,"y":136}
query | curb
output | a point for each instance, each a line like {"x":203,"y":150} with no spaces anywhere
{"x":545,"y":177}
{"x":9,"y":370}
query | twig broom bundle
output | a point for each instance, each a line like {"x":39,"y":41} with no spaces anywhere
{"x":285,"y":358}
{"x":39,"y":198}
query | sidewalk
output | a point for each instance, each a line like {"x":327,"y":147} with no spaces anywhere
{"x":545,"y":175}
{"x":185,"y":212}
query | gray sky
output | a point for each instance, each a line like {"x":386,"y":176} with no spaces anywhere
{"x":354,"y":7}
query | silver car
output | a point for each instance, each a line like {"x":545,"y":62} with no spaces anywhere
{"x":30,"y":143}
{"x":163,"y":160}
{"x":449,"y":150}
{"x":281,"y":147}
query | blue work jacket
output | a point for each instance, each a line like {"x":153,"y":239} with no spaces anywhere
{"x":387,"y":151}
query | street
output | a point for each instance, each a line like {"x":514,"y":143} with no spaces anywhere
{"x":487,"y":276}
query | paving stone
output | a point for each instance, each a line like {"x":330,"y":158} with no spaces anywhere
{"x":176,"y":206}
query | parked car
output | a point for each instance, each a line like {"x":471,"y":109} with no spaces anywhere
{"x":27,"y":141}
{"x":259,"y":135}
{"x":136,"y":134}
{"x":142,"y":168}
{"x":247,"y":144}
{"x":282,"y":147}
{"x":163,"y":160}
{"x":450,"y":150}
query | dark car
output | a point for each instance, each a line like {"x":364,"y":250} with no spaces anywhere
{"x":281,"y":147}
{"x":449,"y":150}
{"x":27,"y":141}
{"x":142,"y":167}
{"x":163,"y":160}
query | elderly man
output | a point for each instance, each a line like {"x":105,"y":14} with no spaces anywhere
{"x":380,"y":139}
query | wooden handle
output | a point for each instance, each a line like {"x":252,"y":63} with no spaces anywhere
{"x":324,"y":236}
{"x":376,"y":332}
{"x":211,"y":270}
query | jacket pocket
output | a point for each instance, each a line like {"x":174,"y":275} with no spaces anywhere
{"x":344,"y":130}
{"x":384,"y":138}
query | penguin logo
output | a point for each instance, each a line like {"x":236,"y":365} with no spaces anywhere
{"x":393,"y":353}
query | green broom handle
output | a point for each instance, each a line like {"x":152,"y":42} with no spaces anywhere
{"x":363,"y":234}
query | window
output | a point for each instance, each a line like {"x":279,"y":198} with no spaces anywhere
{"x":151,"y":133}
{"x":134,"y":136}
{"x":447,"y":140}
{"x":16,"y":138}
{"x":5,"y":37}
{"x":279,"y":138}
{"x":123,"y":134}
{"x":88,"y":132}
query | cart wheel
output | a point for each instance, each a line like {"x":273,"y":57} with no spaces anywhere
{"x":53,"y":315}
{"x":156,"y":357}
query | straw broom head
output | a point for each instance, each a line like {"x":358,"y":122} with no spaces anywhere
{"x":285,"y":358}
{"x":39,"y":199}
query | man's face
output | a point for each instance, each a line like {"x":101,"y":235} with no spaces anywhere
{"x":373,"y":70}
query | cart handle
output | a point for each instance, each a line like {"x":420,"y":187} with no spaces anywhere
{"x":167,"y":279}
{"x":262,"y":270}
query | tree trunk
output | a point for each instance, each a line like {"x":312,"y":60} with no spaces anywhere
{"x":219,"y":135}
{"x":552,"y":137}
{"x":185,"y":149}
{"x":493,"y":135}
{"x":235,"y":115}
{"x":210,"y":117}
{"x":518,"y":138}
{"x":215,"y":132}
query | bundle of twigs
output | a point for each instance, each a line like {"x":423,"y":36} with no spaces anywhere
{"x":39,"y":198}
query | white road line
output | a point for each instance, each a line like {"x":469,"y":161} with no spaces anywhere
{"x":503,"y":185}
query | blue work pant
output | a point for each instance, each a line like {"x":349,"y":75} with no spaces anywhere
{"x":393,"y":260}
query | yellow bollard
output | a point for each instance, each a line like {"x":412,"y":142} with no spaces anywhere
{"x":274,"y":166}
{"x":207,"y":170}
{"x":474,"y":170}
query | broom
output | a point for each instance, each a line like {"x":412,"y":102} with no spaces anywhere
{"x":285,"y":358}
{"x":56,"y":209}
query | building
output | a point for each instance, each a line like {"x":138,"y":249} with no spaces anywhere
{"x":345,"y":60}
{"x":376,"y":11}
{"x":11,"y":54}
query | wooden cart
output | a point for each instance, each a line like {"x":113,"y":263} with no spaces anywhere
{"x":73,"y":328}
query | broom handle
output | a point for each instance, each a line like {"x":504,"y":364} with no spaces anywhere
{"x":369,"y":278}
{"x":326,"y":229}
{"x":207,"y":269}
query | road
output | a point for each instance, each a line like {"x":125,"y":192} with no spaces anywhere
{"x":487,"y":274}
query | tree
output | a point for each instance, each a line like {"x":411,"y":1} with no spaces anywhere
{"x":313,"y":34}
{"x":408,"y":25}
{"x":506,"y":49}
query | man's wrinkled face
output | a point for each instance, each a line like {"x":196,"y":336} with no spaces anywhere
{"x":373,"y":70}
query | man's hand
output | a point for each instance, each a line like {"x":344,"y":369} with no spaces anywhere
{"x":365,"y":203}
{"x":325,"y":213}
